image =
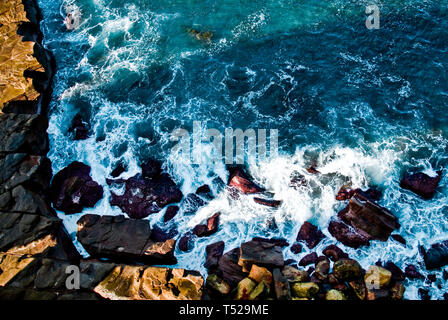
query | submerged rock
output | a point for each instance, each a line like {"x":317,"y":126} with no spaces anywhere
{"x":79,"y":128}
{"x":411,"y":272}
{"x":421,"y":184}
{"x":267,"y":202}
{"x":310,"y":234}
{"x":436,"y":256}
{"x":170,"y":213}
{"x":123,"y":239}
{"x":73,"y":189}
{"x":241,"y":181}
{"x":146,"y":194}
{"x":205,"y":230}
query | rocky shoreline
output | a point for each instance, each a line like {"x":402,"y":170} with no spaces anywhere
{"x":36,"y":252}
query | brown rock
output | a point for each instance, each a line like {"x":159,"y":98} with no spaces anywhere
{"x":310,"y":234}
{"x":260,"y":274}
{"x":267,"y":202}
{"x":322,"y":269}
{"x":205,"y":230}
{"x":411,"y":272}
{"x":295,"y":275}
{"x":359,"y":287}
{"x":232,"y":273}
{"x":214,"y":252}
{"x":334,"y":252}
{"x":421,"y":184}
{"x":308,"y":259}
{"x":150,"y":283}
{"x":241,"y":181}
{"x":347,"y":270}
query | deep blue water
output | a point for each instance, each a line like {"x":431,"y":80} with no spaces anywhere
{"x":365,"y":104}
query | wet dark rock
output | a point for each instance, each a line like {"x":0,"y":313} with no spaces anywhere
{"x":192,"y":203}
{"x":160,"y":235}
{"x":411,"y":272}
{"x":345,"y":193}
{"x":144,"y":196}
{"x":445,"y":275}
{"x":312,"y":170}
{"x":398,"y":238}
{"x":424,"y":294}
{"x":308,"y":259}
{"x":421,"y":184}
{"x":23,"y":200}
{"x":18,"y":229}
{"x":185,"y":242}
{"x":93,"y":272}
{"x":73,"y":189}
{"x":397,"y":274}
{"x":232,"y":273}
{"x":213,"y":252}
{"x":262,"y":254}
{"x":437,"y":255}
{"x":431,"y":278}
{"x":79,"y":127}
{"x":347,"y":235}
{"x":170,"y":213}
{"x":122,"y":239}
{"x":241,"y":181}
{"x":204,"y":189}
{"x":19,"y":168}
{"x":151,"y":169}
{"x":334,"y":252}
{"x":119,"y":169}
{"x":23,"y":133}
{"x":365,"y":221}
{"x":280,"y":242}
{"x":205,"y":230}
{"x":310,"y":234}
{"x":296,"y":248}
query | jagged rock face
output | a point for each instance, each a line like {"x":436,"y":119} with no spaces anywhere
{"x":23,"y":74}
{"x":361,"y":221}
{"x":23,"y":133}
{"x":144,"y":196}
{"x":123,"y":239}
{"x":73,"y":189}
{"x":232,"y":273}
{"x":140,"y":283}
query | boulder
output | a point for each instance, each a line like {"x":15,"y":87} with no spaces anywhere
{"x":369,"y":219}
{"x":421,"y":184}
{"x":295,"y":275}
{"x":399,"y":239}
{"x":281,"y":285}
{"x":310,"y":234}
{"x":185,"y":242}
{"x":347,"y":270}
{"x":73,"y":189}
{"x":308,"y":259}
{"x":241,"y":181}
{"x":304,"y":289}
{"x":322,"y":269}
{"x":216,"y":284}
{"x":170,"y":213}
{"x":334,"y":252}
{"x":397,"y":274}
{"x":260,"y":253}
{"x":260,"y":274}
{"x":296,"y":248}
{"x":347,"y":235}
{"x":335,"y":295}
{"x":260,"y":292}
{"x":150,"y":283}
{"x":411,"y":272}
{"x":123,"y":239}
{"x":346,"y":194}
{"x":436,"y":256}
{"x":232,"y":273}
{"x":151,"y":169}
{"x":279,"y":242}
{"x":213,"y":252}
{"x":377,"y":278}
{"x":362,"y":221}
{"x":244,"y":288}
{"x":205,"y":230}
{"x":144,"y":196}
